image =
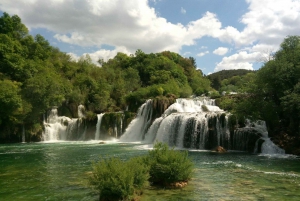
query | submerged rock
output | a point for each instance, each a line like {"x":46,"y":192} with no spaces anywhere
{"x":178,"y":184}
{"x":219,"y":149}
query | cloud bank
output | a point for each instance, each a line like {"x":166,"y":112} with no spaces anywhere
{"x":132,"y":24}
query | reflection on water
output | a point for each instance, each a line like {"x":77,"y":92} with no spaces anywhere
{"x":59,"y":171}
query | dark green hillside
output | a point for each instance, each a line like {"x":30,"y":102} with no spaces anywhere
{"x":226,"y":74}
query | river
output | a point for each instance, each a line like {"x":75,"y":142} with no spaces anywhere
{"x":59,"y":171}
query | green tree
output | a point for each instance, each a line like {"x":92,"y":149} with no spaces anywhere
{"x":12,"y":26}
{"x":10,"y":100}
{"x":273,"y":92}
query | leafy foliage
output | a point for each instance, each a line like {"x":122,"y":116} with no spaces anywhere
{"x":226,"y":74}
{"x":115,"y":179}
{"x":10,"y":99}
{"x":168,"y":165}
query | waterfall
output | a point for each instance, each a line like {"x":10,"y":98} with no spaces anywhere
{"x":191,"y":123}
{"x":198,"y":124}
{"x":200,"y":130}
{"x":64,"y":128}
{"x":188,"y":123}
{"x":98,"y":125}
{"x":116,"y":130}
{"x":138,"y":127}
{"x":254,"y":138}
{"x":72,"y":129}
{"x":121,"y":125}
{"x":267,"y":147}
{"x":81,"y":111}
{"x":23,"y":134}
{"x":55,"y":126}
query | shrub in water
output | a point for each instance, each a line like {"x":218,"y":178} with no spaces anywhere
{"x":168,"y":166}
{"x":115,"y":179}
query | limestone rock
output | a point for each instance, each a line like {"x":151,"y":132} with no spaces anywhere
{"x":219,"y":149}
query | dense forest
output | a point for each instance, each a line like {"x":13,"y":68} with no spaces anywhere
{"x":229,"y":80}
{"x":35,"y":76}
{"x":225,"y":74}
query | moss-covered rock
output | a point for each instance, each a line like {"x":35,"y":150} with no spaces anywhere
{"x":161,"y":103}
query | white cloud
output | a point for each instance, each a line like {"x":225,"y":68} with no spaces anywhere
{"x":267,"y":23}
{"x":220,"y":51}
{"x":182,"y":10}
{"x":101,"y":54}
{"x":133,"y":24}
{"x":201,"y":54}
{"x":208,"y":25}
{"x":107,"y":54}
{"x":241,"y":60}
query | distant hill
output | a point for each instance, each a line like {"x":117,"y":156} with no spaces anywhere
{"x":225,"y":74}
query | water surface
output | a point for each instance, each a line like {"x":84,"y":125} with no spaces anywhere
{"x":59,"y":171}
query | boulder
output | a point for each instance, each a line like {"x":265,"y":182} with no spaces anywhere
{"x":219,"y":149}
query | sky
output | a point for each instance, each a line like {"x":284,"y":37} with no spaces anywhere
{"x":219,"y":34}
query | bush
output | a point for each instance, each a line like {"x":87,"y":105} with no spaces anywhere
{"x":115,"y":179}
{"x":214,"y":94}
{"x":168,"y":166}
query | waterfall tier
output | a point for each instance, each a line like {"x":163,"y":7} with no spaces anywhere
{"x":139,"y":126}
{"x":187,"y":123}
{"x":197,"y":124}
{"x":98,"y":125}
{"x":63,"y":128}
{"x":105,"y":127}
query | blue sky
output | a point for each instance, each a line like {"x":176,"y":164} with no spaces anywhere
{"x":219,"y":34}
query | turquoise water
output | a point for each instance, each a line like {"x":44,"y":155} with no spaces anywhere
{"x":59,"y":171}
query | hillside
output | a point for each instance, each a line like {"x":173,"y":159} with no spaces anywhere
{"x":225,"y":74}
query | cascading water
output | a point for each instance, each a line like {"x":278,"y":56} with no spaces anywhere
{"x":55,"y":126}
{"x":23,"y":134}
{"x":64,"y":128}
{"x":81,"y":111}
{"x":267,"y":147}
{"x":138,"y":127}
{"x":197,"y":124}
{"x":191,"y":123}
{"x":254,"y":138}
{"x":98,"y":125}
{"x":188,"y":123}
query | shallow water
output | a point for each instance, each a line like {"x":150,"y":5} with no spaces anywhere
{"x":59,"y":171}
